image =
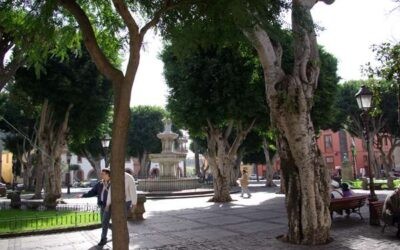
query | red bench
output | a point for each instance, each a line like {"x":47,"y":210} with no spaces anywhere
{"x":350,"y":204}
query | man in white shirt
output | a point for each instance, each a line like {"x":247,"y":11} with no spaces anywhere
{"x":130,"y":193}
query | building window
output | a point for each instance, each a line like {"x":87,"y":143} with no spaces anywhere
{"x":329,"y":161}
{"x":328,"y":143}
{"x":79,"y":159}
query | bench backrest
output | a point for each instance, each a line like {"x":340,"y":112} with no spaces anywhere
{"x":348,"y":202}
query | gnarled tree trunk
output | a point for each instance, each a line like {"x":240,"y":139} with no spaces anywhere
{"x":270,"y":172}
{"x":235,"y":171}
{"x":52,"y":138}
{"x":219,"y":168}
{"x":290,"y":98}
{"x":221,"y":156}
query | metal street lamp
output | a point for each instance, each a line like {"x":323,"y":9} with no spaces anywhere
{"x":364,"y":101}
{"x":69,"y":156}
{"x":105,"y":142}
{"x":14,"y":171}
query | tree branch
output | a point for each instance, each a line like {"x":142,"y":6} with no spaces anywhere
{"x":269,"y":57}
{"x":123,"y":11}
{"x":101,"y":61}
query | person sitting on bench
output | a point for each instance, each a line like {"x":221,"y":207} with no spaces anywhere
{"x":346,"y":191}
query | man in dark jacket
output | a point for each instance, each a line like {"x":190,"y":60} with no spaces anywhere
{"x":101,"y":191}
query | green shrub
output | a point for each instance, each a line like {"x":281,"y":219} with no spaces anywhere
{"x":357,"y":184}
{"x":17,"y":221}
{"x":396,"y":183}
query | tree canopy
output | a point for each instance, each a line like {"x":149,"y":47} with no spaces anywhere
{"x":146,"y":123}
{"x":212,"y":85}
{"x":75,"y":81}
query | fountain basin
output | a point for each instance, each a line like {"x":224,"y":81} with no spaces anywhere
{"x":168,"y":184}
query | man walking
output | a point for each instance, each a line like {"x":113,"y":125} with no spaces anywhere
{"x":101,"y":190}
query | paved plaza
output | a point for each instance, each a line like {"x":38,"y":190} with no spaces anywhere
{"x":194,"y":223}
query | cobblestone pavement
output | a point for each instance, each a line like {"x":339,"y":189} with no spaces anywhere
{"x":194,"y":223}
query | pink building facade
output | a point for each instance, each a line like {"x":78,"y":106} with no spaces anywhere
{"x":339,"y":147}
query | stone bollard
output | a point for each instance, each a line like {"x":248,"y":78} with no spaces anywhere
{"x":137,"y":213}
{"x":15,"y":198}
{"x":364,"y":184}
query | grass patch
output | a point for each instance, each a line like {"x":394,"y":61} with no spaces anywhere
{"x":396,"y":183}
{"x":18,"y":221}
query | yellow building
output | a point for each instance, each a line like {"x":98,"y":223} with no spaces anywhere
{"x":6,"y":166}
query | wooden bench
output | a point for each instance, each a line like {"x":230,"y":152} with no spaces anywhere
{"x":350,"y":204}
{"x":377,"y":207}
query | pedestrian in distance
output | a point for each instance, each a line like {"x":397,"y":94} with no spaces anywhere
{"x":101,"y":190}
{"x":244,"y":183}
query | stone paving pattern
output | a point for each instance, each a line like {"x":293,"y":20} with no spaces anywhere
{"x":194,"y":223}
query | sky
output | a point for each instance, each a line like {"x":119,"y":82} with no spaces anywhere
{"x":349,"y":29}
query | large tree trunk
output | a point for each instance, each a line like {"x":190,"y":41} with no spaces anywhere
{"x":219,"y":169}
{"x":122,"y":84}
{"x":235,"y":171}
{"x":270,"y":172}
{"x":222,"y":155}
{"x":143,"y":161}
{"x":39,"y":178}
{"x":387,"y":159}
{"x":122,"y":92}
{"x":52,"y":138}
{"x":290,"y":98}
{"x":196,"y":159}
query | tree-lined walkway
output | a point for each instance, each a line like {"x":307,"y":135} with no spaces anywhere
{"x":194,"y":223}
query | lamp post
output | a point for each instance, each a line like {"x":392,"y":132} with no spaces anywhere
{"x":69,"y":156}
{"x":364,"y":101}
{"x":14,"y":171}
{"x":105,"y":143}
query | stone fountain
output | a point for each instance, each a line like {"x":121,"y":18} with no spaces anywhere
{"x":168,"y":160}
